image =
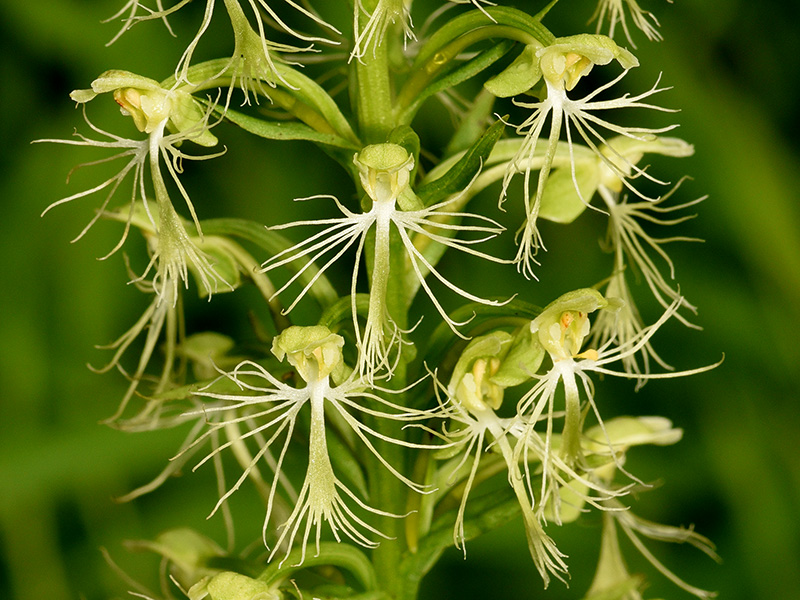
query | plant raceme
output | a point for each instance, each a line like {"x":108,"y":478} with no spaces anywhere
{"x":377,"y":423}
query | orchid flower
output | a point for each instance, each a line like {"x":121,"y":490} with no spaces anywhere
{"x":384,"y":170}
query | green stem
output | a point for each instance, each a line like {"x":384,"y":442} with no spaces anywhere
{"x":374,"y":93}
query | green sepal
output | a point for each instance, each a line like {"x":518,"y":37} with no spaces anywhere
{"x":561,"y":202}
{"x":472,"y":126}
{"x":491,"y":345}
{"x":482,"y":318}
{"x":225,"y":265}
{"x":188,"y":117}
{"x":274,"y":243}
{"x":520,"y":76}
{"x":235,"y":586}
{"x":521,"y":361}
{"x":285,"y":130}
{"x":406,"y":137}
{"x":464,"y":171}
{"x":207,"y":351}
{"x":187,"y":551}
{"x":571,"y":499}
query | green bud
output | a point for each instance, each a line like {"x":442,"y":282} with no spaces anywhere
{"x":187,"y":551}
{"x":521,"y":360}
{"x":314,"y":351}
{"x":234,"y":586}
{"x":624,"y":432}
{"x":207,"y":351}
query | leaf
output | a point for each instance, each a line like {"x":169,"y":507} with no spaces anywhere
{"x":461,"y":173}
{"x":286,"y":130}
{"x":466,"y":71}
{"x":483,"y":514}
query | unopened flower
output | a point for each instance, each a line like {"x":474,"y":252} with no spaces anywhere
{"x":385,"y":173}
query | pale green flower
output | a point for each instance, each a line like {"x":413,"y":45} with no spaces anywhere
{"x":612,"y":579}
{"x":154,"y":110}
{"x":560,"y":66}
{"x":271,"y":409}
{"x":563,"y":327}
{"x":474,"y":425}
{"x":385,"y":170}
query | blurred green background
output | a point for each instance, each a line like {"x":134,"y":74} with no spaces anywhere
{"x":736,"y":475}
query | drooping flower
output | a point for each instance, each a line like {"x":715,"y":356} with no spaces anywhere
{"x":612,"y":578}
{"x":272,"y":408}
{"x":473,"y":397}
{"x":384,"y":171}
{"x":172,"y":261}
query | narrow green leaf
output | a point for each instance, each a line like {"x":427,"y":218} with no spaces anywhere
{"x":464,"y":72}
{"x":286,"y":130}
{"x":461,"y":173}
{"x":483,"y":514}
